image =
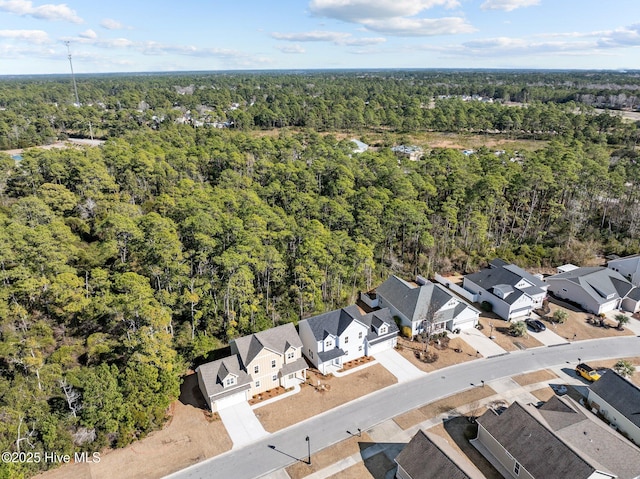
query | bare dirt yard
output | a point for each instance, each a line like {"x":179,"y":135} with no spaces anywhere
{"x":332,"y":392}
{"x":543,"y":394}
{"x":329,"y":455}
{"x":608,"y":363}
{"x":191,"y":435}
{"x":456,"y":351}
{"x":534,"y":377}
{"x":577,"y":327}
{"x":503,"y":337}
{"x":431,"y":410}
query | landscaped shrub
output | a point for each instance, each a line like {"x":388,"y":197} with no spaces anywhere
{"x":406,"y":331}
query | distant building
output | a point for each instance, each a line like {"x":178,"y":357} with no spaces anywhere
{"x":413,"y":153}
{"x":629,"y":267}
{"x":360,"y":147}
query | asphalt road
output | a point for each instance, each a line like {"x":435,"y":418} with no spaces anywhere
{"x":288,"y":445}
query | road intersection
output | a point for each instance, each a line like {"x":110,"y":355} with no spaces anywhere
{"x":289,"y":445}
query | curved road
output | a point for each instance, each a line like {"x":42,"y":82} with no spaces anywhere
{"x":286,"y":446}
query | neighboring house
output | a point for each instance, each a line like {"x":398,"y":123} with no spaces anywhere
{"x":560,"y":440}
{"x":260,"y":362}
{"x":359,"y":147}
{"x":618,"y":400}
{"x":272,"y":357}
{"x":429,"y":456}
{"x":597,"y":289}
{"x":223,"y":383}
{"x":631,"y":302}
{"x":417,"y":304}
{"x":334,"y":338}
{"x":413,"y":153}
{"x":510,"y":290}
{"x":629,"y":267}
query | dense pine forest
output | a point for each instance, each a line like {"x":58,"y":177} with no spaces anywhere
{"x":123,"y":265}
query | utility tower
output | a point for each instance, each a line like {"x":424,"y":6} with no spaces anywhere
{"x":73,"y":77}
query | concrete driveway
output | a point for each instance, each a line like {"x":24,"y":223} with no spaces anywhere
{"x":485,"y":346}
{"x":398,"y":366}
{"x":242,"y":424}
{"x":548,"y":337}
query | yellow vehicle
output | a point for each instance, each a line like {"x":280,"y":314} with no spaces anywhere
{"x":587,"y":372}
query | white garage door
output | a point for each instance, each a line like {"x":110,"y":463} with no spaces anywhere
{"x":383,"y":346}
{"x":229,"y":401}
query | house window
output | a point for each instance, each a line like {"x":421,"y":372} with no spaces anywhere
{"x":256,"y":369}
{"x":230,"y":382}
{"x":291,"y":376}
{"x":327,"y":344}
{"x":273,"y":363}
{"x":290,"y":355}
{"x":274,"y":377}
{"x":257,"y":384}
{"x":360,"y":335}
{"x":311,"y":354}
{"x":516,"y":469}
{"x":346,"y":339}
{"x":383,"y":329}
{"x":359,"y":348}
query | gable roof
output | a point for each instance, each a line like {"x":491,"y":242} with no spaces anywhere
{"x":334,"y":322}
{"x":430,"y":457}
{"x":634,"y":294}
{"x":501,"y":273}
{"x":277,"y":339}
{"x":621,"y":394}
{"x":214,"y":373}
{"x":414,"y":302}
{"x":534,"y":446}
{"x":602,"y":284}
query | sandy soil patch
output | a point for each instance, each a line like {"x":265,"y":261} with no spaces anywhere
{"x":543,"y":394}
{"x":191,"y":435}
{"x":431,"y":410}
{"x":313,"y":400}
{"x":456,"y":432}
{"x":330,"y":455}
{"x":503,"y":337}
{"x":534,"y":377}
{"x":457,"y":351}
{"x":576,"y":326}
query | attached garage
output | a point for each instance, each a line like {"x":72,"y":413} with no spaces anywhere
{"x":228,"y":401}
{"x":223,"y":383}
{"x":383,"y":345}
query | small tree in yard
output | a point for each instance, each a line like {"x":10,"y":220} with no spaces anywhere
{"x":560,"y":316}
{"x":622,"y":320}
{"x":624,"y":368}
{"x":518,"y":329}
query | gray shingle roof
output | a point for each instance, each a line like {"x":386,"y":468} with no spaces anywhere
{"x":214,"y":373}
{"x":414,"y":301}
{"x":289,"y":368}
{"x":423,"y":458}
{"x":634,"y":294}
{"x":334,"y":322}
{"x":598,"y":282}
{"x":502,"y":273}
{"x":277,"y":339}
{"x":534,"y":446}
{"x":621,"y":394}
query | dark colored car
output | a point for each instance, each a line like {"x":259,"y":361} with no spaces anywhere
{"x":536,"y":325}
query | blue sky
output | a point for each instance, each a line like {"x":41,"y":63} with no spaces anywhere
{"x":161,"y":35}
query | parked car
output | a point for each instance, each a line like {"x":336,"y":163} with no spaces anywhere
{"x":536,"y":325}
{"x":587,"y":372}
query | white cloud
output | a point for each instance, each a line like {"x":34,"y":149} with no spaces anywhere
{"x":420,"y":26}
{"x":30,"y":36}
{"x":295,"y":48}
{"x":111,"y":24}
{"x":25,"y":8}
{"x":337,"y":38}
{"x":359,"y":10}
{"x":88,"y":34}
{"x":508,"y":5}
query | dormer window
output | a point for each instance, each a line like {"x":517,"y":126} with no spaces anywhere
{"x":290,"y":355}
{"x":327,"y":344}
{"x":383,"y":329}
{"x":230,"y":381}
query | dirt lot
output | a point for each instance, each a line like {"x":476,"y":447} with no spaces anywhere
{"x":191,"y":436}
{"x":330,"y":455}
{"x":446,"y":356}
{"x":416,"y":416}
{"x":501,"y":334}
{"x":543,"y":394}
{"x":311,"y":400}
{"x":456,"y":431}
{"x":534,"y":377}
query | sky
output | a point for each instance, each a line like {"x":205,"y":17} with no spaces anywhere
{"x":187,"y":35}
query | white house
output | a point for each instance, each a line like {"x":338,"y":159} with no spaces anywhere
{"x":597,"y":289}
{"x":629,"y":267}
{"x":510,"y":290}
{"x":418,"y":303}
{"x":618,"y":400}
{"x":223,"y":383}
{"x":334,"y":338}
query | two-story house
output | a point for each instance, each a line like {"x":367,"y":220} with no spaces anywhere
{"x":334,"y":338}
{"x":629,"y":267}
{"x":511,"y":291}
{"x":422,"y":303}
{"x":260,"y":362}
